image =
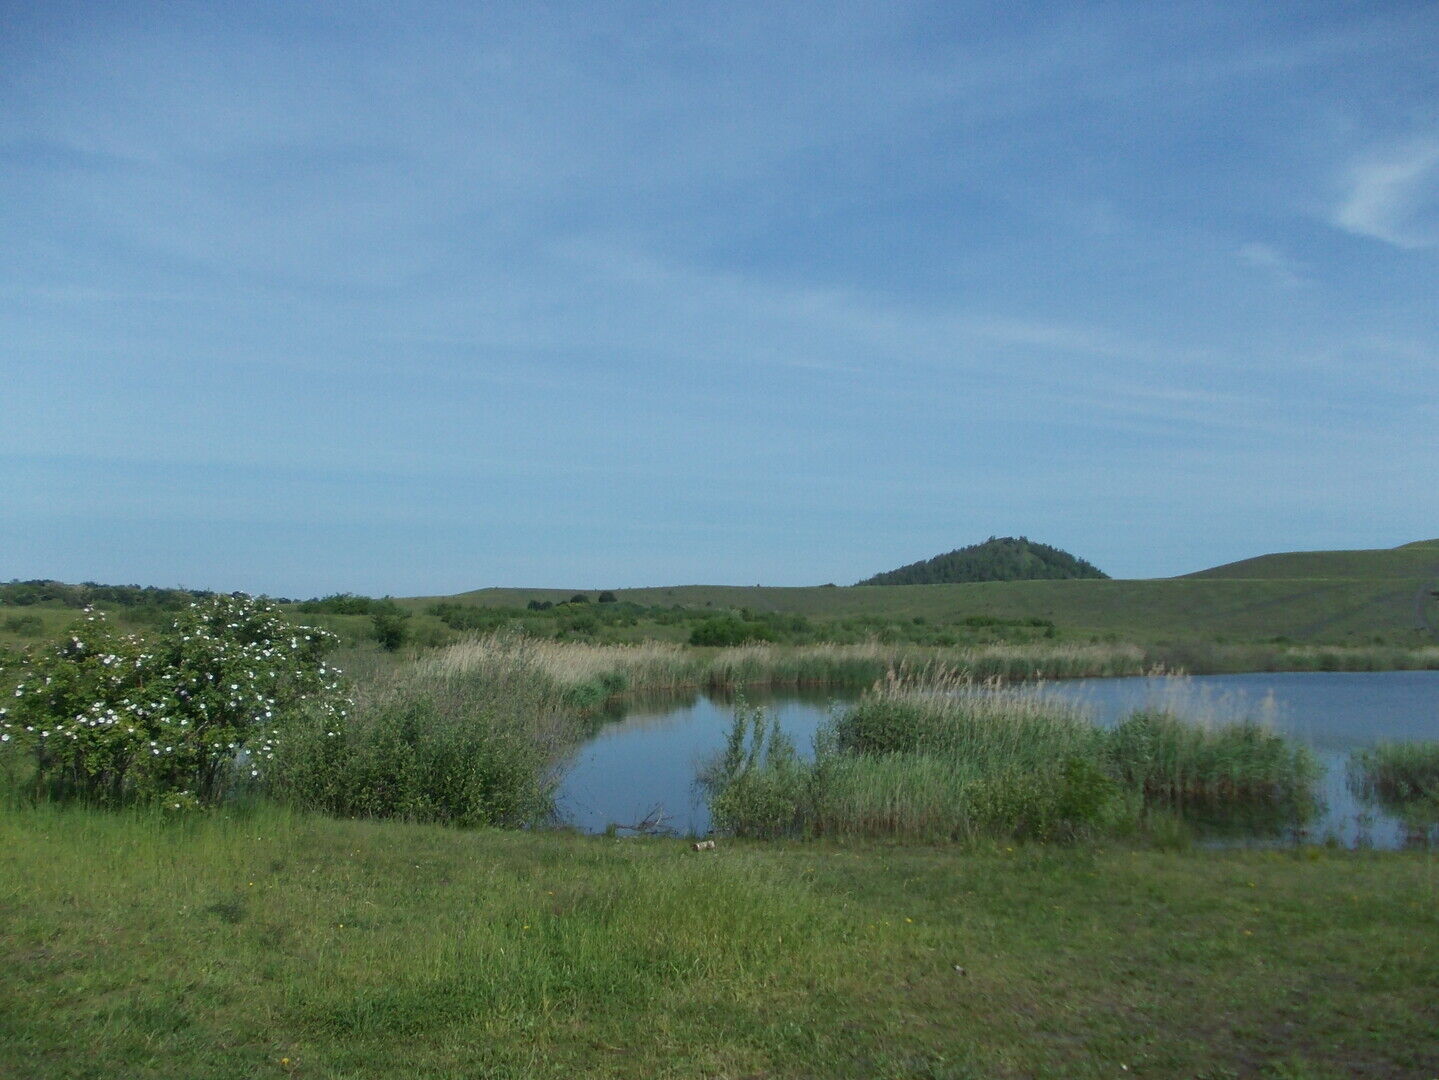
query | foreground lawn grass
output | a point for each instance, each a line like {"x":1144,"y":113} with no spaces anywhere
{"x":269,"y":944}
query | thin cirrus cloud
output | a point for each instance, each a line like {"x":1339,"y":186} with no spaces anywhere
{"x":1394,"y":196}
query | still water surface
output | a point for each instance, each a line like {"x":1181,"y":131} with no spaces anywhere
{"x":648,"y":759}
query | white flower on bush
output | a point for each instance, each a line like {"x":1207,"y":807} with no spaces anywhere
{"x":170,"y":691}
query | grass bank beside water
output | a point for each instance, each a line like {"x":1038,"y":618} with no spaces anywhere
{"x":278,"y":944}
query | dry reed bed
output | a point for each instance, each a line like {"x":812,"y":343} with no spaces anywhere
{"x":666,"y":666}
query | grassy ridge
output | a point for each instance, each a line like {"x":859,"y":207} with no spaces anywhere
{"x":1148,"y":610}
{"x":279,"y":945}
{"x":1345,"y":597}
{"x":1418,"y":560}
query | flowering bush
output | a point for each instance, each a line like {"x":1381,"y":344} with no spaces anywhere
{"x":176,"y":718}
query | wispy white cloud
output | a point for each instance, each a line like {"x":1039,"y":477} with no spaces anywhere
{"x":1279,"y":266}
{"x":1394,"y":196}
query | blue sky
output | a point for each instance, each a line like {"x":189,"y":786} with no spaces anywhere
{"x":415,"y":298}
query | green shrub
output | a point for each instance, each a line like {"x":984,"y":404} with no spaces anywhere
{"x":759,"y":786}
{"x":390,"y":630}
{"x":460,"y":747}
{"x":726,"y":630}
{"x":417,"y":758}
{"x":24,"y":625}
{"x":349,"y":604}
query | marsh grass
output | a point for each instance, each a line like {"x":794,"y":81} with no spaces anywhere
{"x":1189,"y":763}
{"x":945,"y":760}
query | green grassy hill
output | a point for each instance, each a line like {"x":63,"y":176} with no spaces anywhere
{"x":1410,"y":561}
{"x":1162,"y":607}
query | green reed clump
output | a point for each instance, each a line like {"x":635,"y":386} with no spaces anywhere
{"x":1047,"y":660}
{"x":434,"y":743}
{"x":817,"y":665}
{"x":1171,"y":759}
{"x":945,"y":759}
{"x":968,"y":763}
{"x":964,"y":720}
{"x":1397,"y":774}
{"x":950,"y":759}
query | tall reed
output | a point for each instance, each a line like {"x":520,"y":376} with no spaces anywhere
{"x":590,"y":672}
{"x":1171,"y":758}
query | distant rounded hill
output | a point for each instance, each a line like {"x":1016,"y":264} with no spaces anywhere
{"x":1003,"y":558}
{"x":1417,"y":560}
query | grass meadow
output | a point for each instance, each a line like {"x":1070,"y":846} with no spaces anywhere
{"x":262,"y":942}
{"x":1320,"y":610}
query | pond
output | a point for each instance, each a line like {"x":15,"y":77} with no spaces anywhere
{"x":646,"y":761}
